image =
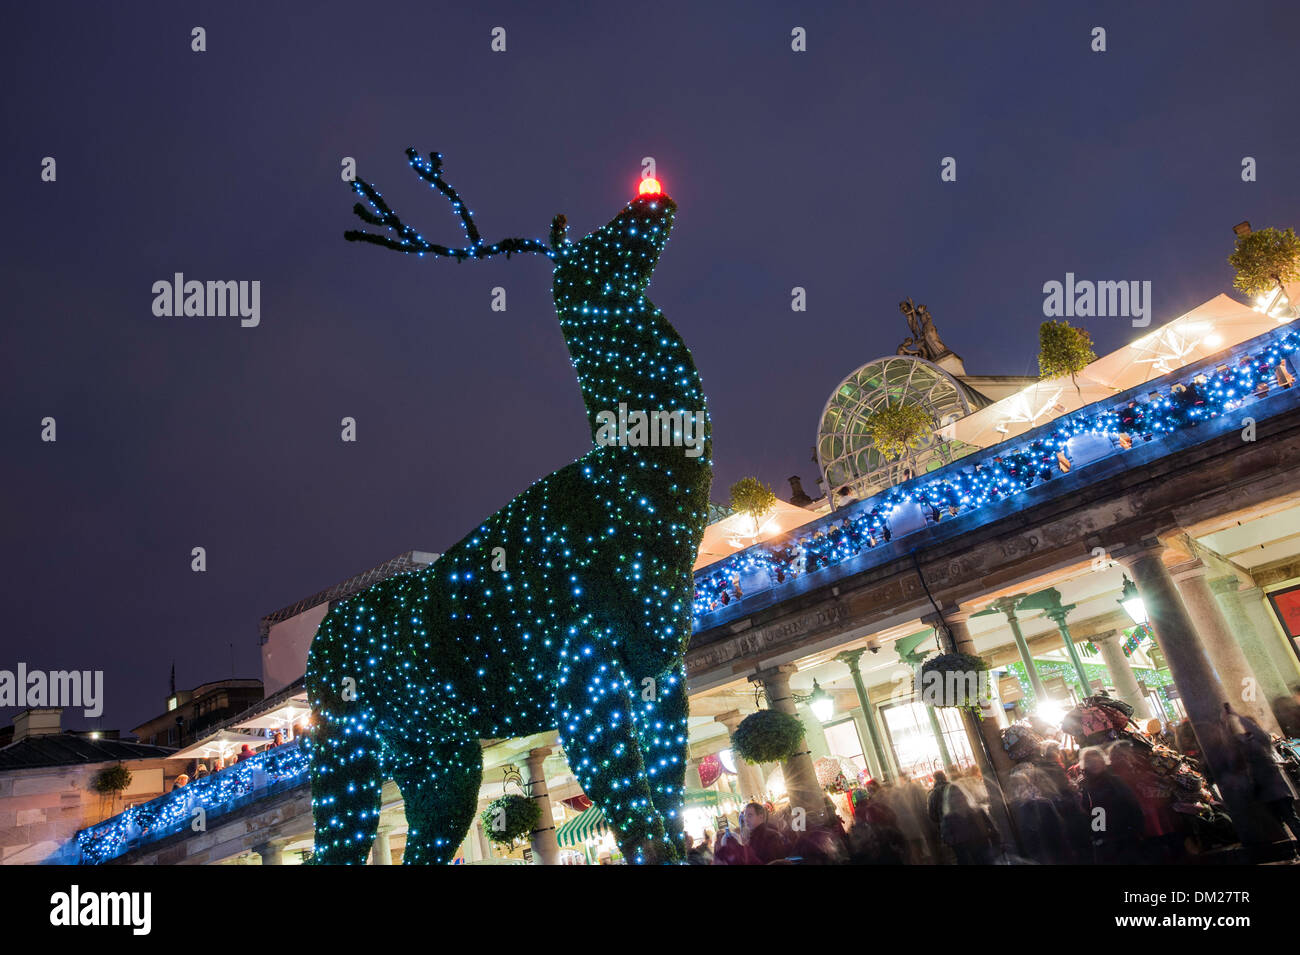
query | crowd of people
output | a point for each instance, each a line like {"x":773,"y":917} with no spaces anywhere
{"x":1054,"y":800}
{"x":201,"y":770}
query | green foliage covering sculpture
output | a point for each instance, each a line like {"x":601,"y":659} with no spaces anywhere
{"x":585,"y":630}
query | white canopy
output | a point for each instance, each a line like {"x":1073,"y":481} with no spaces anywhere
{"x":736,"y":532}
{"x":1209,"y":328}
{"x":222,"y":743}
{"x":281,"y":717}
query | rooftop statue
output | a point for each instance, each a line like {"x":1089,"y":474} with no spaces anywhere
{"x":924,"y":342}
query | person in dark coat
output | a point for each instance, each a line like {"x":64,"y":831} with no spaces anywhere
{"x":700,"y":853}
{"x":764,"y":841}
{"x":966,"y":828}
{"x":731,"y":851}
{"x":874,"y":838}
{"x":1114,"y":812}
{"x":935,"y":805}
{"x":1042,"y":831}
{"x":1269,"y":782}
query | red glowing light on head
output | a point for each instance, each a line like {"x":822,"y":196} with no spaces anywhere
{"x":650,"y":187}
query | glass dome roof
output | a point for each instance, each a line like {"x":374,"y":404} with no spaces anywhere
{"x":852,"y":466}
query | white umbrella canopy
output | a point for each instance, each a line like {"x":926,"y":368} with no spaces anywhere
{"x":1209,"y":328}
{"x":222,"y":743}
{"x":1024,"y":411}
{"x":736,"y":531}
{"x":282,"y":717}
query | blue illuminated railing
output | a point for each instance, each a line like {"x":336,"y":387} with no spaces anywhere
{"x":1151,"y":412}
{"x":269,"y":772}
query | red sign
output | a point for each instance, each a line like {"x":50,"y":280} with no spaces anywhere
{"x":1287,"y":604}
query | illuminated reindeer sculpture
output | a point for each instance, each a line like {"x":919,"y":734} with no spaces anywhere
{"x":568,"y":609}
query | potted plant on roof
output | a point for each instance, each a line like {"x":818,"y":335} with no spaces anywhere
{"x":1064,"y":350}
{"x":898,"y":430}
{"x":753,"y":500}
{"x":1266,"y":261}
{"x":110,"y":782}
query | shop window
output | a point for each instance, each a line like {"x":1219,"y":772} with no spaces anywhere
{"x":911,"y":736}
{"x":843,"y":739}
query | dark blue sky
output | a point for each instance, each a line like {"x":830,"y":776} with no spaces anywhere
{"x":818,"y":169}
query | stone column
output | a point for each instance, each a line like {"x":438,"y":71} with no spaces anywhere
{"x":381,"y":850}
{"x":1199,"y":686}
{"x":875,"y":741}
{"x":1008,"y":606}
{"x":1122,"y":675}
{"x":484,"y":843}
{"x":272,"y":853}
{"x":1241,"y":684}
{"x":1280,"y":647}
{"x":800,"y":775}
{"x":981,"y":732}
{"x":1270,"y":659}
{"x":546,"y":850}
{"x":748,"y":776}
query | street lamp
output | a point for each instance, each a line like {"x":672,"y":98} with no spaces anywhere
{"x":821,"y":703}
{"x":1132,"y":603}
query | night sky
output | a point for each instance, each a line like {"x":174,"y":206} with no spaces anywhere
{"x":817,"y":169}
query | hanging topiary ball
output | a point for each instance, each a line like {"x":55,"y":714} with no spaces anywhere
{"x":768,"y":736}
{"x":955,"y":680}
{"x":510,"y":817}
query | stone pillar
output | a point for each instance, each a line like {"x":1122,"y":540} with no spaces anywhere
{"x":876,"y":739}
{"x":272,"y":853}
{"x":1280,"y":647}
{"x":1243,"y":687}
{"x":1199,"y":686}
{"x":480,"y":837}
{"x":1008,"y":606}
{"x":800,"y":775}
{"x":1057,"y":615}
{"x":748,"y":776}
{"x":1122,"y":675}
{"x":546,"y":850}
{"x":982,"y":733}
{"x":1270,"y":659}
{"x":381,"y":850}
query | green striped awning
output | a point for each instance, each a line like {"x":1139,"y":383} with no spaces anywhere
{"x":581,"y":827}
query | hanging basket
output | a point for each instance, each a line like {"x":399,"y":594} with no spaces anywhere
{"x":768,"y":736}
{"x":510,"y":817}
{"x":954,"y":680}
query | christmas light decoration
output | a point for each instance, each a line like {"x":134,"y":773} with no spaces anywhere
{"x":1001,"y":472}
{"x":568,"y":609}
{"x":272,"y":770}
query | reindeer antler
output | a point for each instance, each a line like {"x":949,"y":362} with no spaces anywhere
{"x":409,"y":240}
